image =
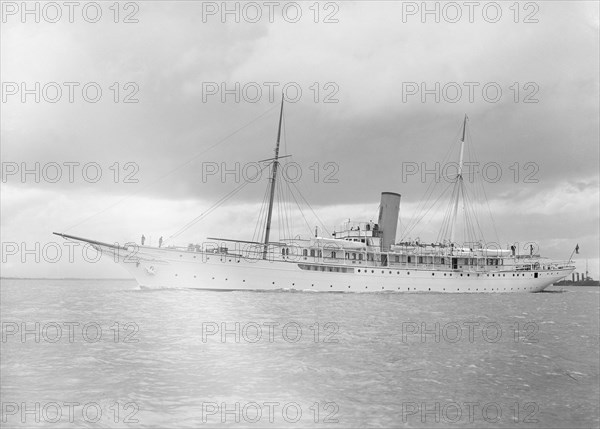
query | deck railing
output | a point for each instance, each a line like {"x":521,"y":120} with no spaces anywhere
{"x":255,"y":251}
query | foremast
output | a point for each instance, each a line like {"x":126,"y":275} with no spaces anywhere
{"x":272,"y":183}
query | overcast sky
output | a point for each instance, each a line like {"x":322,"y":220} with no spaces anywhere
{"x":360,"y":121}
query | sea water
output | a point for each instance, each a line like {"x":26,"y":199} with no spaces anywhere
{"x":103,"y":353}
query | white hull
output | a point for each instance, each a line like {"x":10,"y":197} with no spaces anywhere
{"x":168,"y":268}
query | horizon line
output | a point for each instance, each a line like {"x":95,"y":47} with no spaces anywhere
{"x":65,"y":278}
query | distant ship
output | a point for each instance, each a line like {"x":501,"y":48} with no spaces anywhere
{"x":585,"y":280}
{"x":359,"y":257}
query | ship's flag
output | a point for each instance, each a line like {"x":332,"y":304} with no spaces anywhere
{"x":577,"y":249}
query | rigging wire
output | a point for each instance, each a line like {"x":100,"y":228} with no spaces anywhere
{"x":219,"y":202}
{"x":259,"y":227}
{"x":418,"y":216}
{"x":287,"y":209}
{"x":485,"y":198}
{"x":168,"y":173}
{"x":299,"y":208}
{"x":472,"y":203}
{"x":311,"y":209}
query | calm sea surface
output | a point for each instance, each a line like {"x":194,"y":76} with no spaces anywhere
{"x":81,"y":353}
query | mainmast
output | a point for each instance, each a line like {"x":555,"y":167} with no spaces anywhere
{"x":586,"y":269}
{"x":459,"y":179}
{"x":272,"y":184}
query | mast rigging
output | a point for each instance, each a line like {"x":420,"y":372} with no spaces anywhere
{"x":272,"y":184}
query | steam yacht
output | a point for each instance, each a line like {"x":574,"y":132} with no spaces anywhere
{"x":356,"y":257}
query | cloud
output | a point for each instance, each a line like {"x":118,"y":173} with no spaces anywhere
{"x":176,"y":131}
